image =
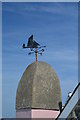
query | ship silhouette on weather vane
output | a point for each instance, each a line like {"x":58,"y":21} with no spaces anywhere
{"x":34,"y":47}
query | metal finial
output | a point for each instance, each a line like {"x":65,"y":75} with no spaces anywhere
{"x":34,"y":47}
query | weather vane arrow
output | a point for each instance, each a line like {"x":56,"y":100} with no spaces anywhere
{"x":34,"y":47}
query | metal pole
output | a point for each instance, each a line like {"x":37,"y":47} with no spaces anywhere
{"x":36,"y":55}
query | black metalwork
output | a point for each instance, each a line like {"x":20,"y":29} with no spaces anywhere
{"x":34,"y":47}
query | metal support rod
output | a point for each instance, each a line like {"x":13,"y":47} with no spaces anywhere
{"x":36,"y":56}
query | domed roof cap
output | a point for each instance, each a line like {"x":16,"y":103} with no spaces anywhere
{"x":39,"y":87}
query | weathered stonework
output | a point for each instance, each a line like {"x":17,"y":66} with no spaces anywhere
{"x":39,"y":87}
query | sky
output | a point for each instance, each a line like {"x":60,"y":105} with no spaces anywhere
{"x":0,"y":59}
{"x":52,"y":24}
{"x":40,"y":0}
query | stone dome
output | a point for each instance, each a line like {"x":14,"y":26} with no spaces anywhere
{"x":39,"y":87}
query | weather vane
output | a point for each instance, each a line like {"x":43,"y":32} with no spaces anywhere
{"x":34,"y":47}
